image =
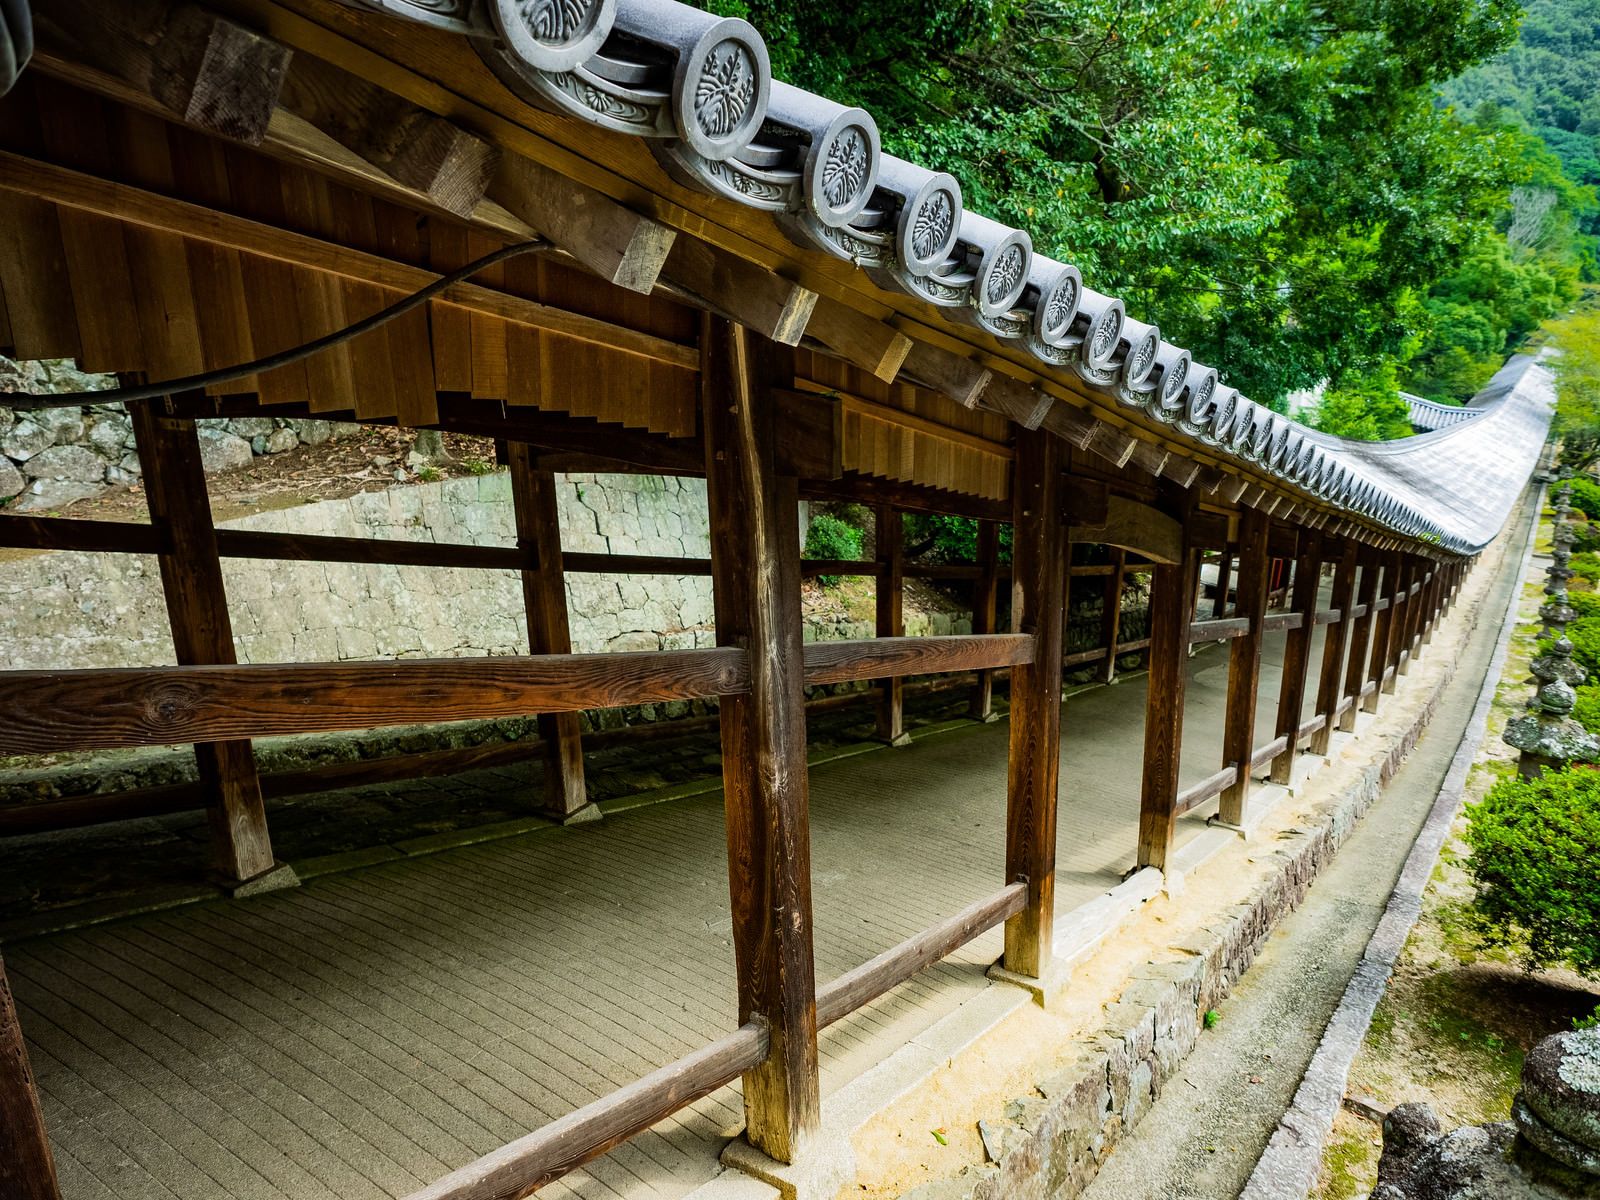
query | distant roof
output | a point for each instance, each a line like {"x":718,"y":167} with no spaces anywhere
{"x":1427,"y":415}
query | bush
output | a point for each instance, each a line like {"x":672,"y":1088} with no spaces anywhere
{"x":1536,"y":861}
{"x":1586,"y":711}
{"x":1584,"y":634}
{"x":1585,"y":604}
{"x":1587,"y":567}
{"x":1585,"y":497}
{"x":946,"y":539}
{"x":1587,"y":540}
{"x":829,"y":537}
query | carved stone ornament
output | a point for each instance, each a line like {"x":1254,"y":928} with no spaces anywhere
{"x":1133,"y":384}
{"x":998,"y":260}
{"x":924,"y":208}
{"x":552,"y":35}
{"x":1098,"y":359}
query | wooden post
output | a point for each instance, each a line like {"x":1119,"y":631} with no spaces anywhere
{"x":1416,"y":608}
{"x":1244,"y":664}
{"x":1400,"y":620}
{"x":544,"y":597}
{"x":1219,"y":602}
{"x":1111,"y":615}
{"x":1437,"y":586}
{"x":1172,"y":600}
{"x":1334,"y":646}
{"x":197,"y":608}
{"x":1039,"y":556}
{"x":1382,"y":632}
{"x":755,"y":562}
{"x":890,"y":589}
{"x":1356,"y":665}
{"x":27,"y":1171}
{"x":980,"y":707}
{"x":1297,"y":652}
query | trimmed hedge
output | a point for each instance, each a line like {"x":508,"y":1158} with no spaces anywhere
{"x":1536,"y":861}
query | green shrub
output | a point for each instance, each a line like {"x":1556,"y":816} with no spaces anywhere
{"x":1585,"y":497}
{"x":1588,"y":537}
{"x":1585,"y":604}
{"x":829,"y":537}
{"x":1536,"y":861}
{"x":946,"y":539}
{"x":1584,"y":634}
{"x":1586,"y":711}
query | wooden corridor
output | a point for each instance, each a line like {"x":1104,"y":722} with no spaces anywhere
{"x":367,"y":1032}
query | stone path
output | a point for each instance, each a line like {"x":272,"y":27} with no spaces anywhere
{"x":364,"y":1033}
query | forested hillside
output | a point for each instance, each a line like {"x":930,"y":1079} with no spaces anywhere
{"x":1276,"y":185}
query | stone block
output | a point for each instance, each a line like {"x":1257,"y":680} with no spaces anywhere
{"x":11,"y":480}
{"x":25,"y":439}
{"x":311,"y":432}
{"x":250,"y":427}
{"x":8,"y":416}
{"x":75,"y":464}
{"x":109,"y":434}
{"x":280,"y":440}
{"x":222,"y":451}
{"x":42,"y":495}
{"x":64,"y":425}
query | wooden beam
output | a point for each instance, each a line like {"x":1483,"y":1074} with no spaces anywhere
{"x":46,"y":711}
{"x":760,"y":300}
{"x":1171,"y":611}
{"x":209,"y":71}
{"x":460,"y":413}
{"x":1111,"y":615}
{"x":416,"y":148}
{"x":810,"y":434}
{"x":889,"y":592}
{"x":520,"y":1167}
{"x":1038,"y":605}
{"x":197,"y":609}
{"x":86,"y":193}
{"x":755,"y":553}
{"x":1137,"y":527}
{"x":27,"y":1170}
{"x":619,"y":245}
{"x":874,"y":658}
{"x":907,"y":497}
{"x":1244,"y":664}
{"x":956,"y":376}
{"x":985,"y":589}
{"x":877,"y":348}
{"x":544,"y":594}
{"x":1297,"y":653}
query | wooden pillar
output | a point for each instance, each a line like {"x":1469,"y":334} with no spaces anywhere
{"x":980,"y":706}
{"x":1244,"y":664}
{"x":1400,"y":622}
{"x":755,"y":560}
{"x":1334,"y":646}
{"x":1038,"y":607}
{"x":890,"y":595}
{"x":1361,"y":637}
{"x":1382,"y":632}
{"x":1437,"y":586}
{"x":1172,"y":599}
{"x":1219,"y":602}
{"x":202,"y":635}
{"x":1297,"y":651}
{"x":1111,"y":614}
{"x":544,"y":596}
{"x":27,"y":1171}
{"x":1416,"y":610}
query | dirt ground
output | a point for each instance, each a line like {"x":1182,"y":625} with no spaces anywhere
{"x":1457,"y":1019}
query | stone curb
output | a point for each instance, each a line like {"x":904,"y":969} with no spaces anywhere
{"x":1289,"y":1166}
{"x":1050,"y":1145}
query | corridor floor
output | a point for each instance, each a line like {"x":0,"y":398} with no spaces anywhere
{"x":365,"y":1033}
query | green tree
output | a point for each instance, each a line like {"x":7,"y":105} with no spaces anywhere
{"x":1577,"y":371}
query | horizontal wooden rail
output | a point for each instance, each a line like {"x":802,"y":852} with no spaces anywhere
{"x":1206,"y":789}
{"x":1327,"y":616}
{"x":811,"y":567}
{"x":1219,"y":628}
{"x":894,"y":966}
{"x":1270,"y":751}
{"x":1099,"y":652}
{"x":48,"y":711}
{"x":884,"y":658}
{"x":1359,"y":611}
{"x":1309,"y":726}
{"x":547,"y":1154}
{"x":306,"y":547}
{"x":59,"y":533}
{"x":1276,"y":621}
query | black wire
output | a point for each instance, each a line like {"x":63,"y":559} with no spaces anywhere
{"x":148,"y":391}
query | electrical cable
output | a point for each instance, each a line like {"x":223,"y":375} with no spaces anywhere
{"x":283,"y":358}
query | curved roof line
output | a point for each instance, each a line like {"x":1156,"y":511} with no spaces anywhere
{"x":1427,"y":415}
{"x":699,"y":89}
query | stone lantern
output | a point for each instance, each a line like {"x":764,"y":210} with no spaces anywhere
{"x":1548,"y":737}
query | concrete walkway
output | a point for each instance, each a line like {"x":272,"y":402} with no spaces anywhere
{"x":367,"y":1032}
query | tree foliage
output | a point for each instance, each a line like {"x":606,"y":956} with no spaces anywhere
{"x":1271,"y":183}
{"x":1577,"y":370}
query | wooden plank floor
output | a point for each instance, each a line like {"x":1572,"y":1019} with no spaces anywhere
{"x":363,"y":1034}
